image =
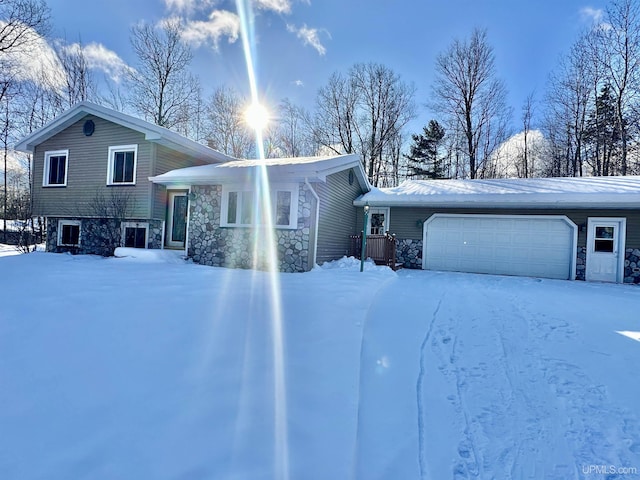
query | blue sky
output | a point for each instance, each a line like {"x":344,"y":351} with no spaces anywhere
{"x":300,"y":43}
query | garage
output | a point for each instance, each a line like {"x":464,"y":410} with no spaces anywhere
{"x":524,"y":245}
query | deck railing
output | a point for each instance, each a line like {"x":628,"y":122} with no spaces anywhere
{"x":380,"y":248}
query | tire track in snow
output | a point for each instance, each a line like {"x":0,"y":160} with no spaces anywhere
{"x":419,"y":390}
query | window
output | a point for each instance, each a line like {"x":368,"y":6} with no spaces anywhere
{"x":134,"y":235}
{"x":122,"y":165}
{"x":55,"y":168}
{"x":238,"y":205}
{"x":69,"y":233}
{"x":239,"y":208}
{"x":283,"y":208}
{"x":604,"y":241}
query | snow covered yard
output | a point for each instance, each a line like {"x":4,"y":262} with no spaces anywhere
{"x":152,"y":368}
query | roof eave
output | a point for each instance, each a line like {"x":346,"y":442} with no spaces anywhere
{"x":471,"y":204}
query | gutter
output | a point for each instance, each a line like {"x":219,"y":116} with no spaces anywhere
{"x":317,"y":225}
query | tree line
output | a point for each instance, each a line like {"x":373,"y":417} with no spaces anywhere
{"x":585,"y":123}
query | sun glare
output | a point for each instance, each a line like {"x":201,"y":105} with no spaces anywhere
{"x":257,"y":116}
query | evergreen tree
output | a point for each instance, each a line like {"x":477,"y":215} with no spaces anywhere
{"x":424,"y":160}
{"x":602,"y":135}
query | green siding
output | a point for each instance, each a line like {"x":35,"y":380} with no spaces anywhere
{"x":337,"y":215}
{"x":404,"y":221}
{"x":87,"y":170}
{"x":166,"y":160}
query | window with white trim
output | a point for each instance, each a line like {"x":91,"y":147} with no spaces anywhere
{"x":238,"y":204}
{"x":55,"y":168}
{"x":122,"y":165}
{"x":134,"y":234}
{"x":69,"y":233}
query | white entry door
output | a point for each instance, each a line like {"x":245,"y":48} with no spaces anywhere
{"x":176,"y":219}
{"x":605,"y":249}
{"x":378,"y":221}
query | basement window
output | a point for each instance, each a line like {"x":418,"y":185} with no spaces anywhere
{"x":69,"y":233}
{"x":134,"y":235}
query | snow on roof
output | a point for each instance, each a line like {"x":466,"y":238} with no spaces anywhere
{"x":292,"y":169}
{"x":607,"y":192}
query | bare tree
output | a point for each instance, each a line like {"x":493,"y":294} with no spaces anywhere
{"x":4,"y":137}
{"x":162,"y":86}
{"x":80,"y":85}
{"x":334,"y":124}
{"x":621,"y":56}
{"x":21,"y":22}
{"x":569,"y":98}
{"x":468,"y":93}
{"x":18,"y":20}
{"x":292,"y":137}
{"x":113,"y":210}
{"x":226,"y":129}
{"x":365,"y":112}
{"x":526,"y":167}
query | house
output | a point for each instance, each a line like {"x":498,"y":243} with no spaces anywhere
{"x":309,"y":199}
{"x":90,"y":180}
{"x":103,"y":179}
{"x":568,"y":228}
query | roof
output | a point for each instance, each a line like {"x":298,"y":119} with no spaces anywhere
{"x":299,"y":169}
{"x":153,"y":133}
{"x":569,"y":192}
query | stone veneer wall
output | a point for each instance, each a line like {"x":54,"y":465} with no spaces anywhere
{"x":632,"y":265}
{"x":95,"y":235}
{"x":409,"y":253}
{"x":211,"y":244}
{"x":581,"y":262}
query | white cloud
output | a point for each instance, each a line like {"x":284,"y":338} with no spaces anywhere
{"x":309,"y":36}
{"x":221,"y":23}
{"x":279,"y":6}
{"x":99,"y":57}
{"x":298,"y":83}
{"x":35,"y":60}
{"x":594,"y":15}
{"x":187,"y":6}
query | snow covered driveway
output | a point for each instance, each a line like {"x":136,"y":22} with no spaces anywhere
{"x":469,"y":376}
{"x":130,"y":369}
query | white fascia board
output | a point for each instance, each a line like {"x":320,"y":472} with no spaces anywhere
{"x":355,"y":164}
{"x":592,"y":203}
{"x":28,"y":144}
{"x":152,"y":133}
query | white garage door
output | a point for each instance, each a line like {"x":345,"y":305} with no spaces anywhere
{"x":528,"y":245}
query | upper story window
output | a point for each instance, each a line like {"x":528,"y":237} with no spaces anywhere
{"x":122,"y":165}
{"x":238,"y":204}
{"x":55,"y":168}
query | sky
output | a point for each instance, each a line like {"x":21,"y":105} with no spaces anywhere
{"x":300,"y":43}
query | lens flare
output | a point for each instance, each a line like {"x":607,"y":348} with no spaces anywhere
{"x":265,"y":245}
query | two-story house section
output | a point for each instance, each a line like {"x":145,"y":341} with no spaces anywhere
{"x":90,"y":181}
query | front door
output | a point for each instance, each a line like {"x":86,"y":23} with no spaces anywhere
{"x":176,"y":220}
{"x":605,"y":249}
{"x":378,"y":221}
